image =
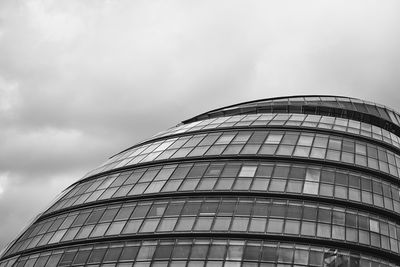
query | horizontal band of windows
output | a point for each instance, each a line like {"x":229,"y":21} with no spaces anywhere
{"x":244,"y":158}
{"x":392,"y":148}
{"x":295,"y":121}
{"x":294,"y":178}
{"x":295,"y":103}
{"x":196,"y":249}
{"x":386,"y":143}
{"x":216,"y":215}
{"x":261,"y":143}
{"x":388,"y":124}
{"x":330,"y":248}
{"x":260,"y":195}
{"x":327,"y":194}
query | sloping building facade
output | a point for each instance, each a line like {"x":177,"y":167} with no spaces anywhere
{"x":289,"y":181}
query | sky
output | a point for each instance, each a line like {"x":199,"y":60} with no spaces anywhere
{"x":82,"y":80}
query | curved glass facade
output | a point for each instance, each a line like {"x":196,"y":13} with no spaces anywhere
{"x":263,"y":143}
{"x":350,"y":127}
{"x":253,"y":216}
{"x":335,"y":106}
{"x":259,"y":184}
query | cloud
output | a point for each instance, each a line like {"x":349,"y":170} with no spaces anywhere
{"x":23,"y":199}
{"x":9,"y":96}
{"x":3,"y":182}
{"x":82,"y":80}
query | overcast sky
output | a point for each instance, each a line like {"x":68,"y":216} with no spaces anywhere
{"x":81,"y":80}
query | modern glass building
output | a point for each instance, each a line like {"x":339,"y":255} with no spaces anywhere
{"x":289,"y":181}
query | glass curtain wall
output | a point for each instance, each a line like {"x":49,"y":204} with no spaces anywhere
{"x":290,"y":181}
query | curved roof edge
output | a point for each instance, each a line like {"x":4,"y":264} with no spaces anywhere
{"x":286,"y":97}
{"x":327,"y":105}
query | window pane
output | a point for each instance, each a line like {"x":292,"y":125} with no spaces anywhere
{"x":199,"y":252}
{"x":115,"y":228}
{"x":149,"y":225}
{"x":234,"y":253}
{"x":217,"y":252}
{"x":248,"y":171}
{"x":275,"y":226}
{"x":203,"y":224}
{"x":97,"y":255}
{"x":185,"y":224}
{"x":146,"y":252}
{"x":181,"y":252}
{"x":292,"y":227}
{"x":81,"y":257}
{"x":257,"y":225}
{"x":239,"y":224}
{"x":163,"y":252}
{"x":129,"y":253}
{"x":167,"y":224}
{"x":221,"y":223}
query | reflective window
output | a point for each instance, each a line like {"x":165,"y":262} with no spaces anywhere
{"x":278,"y":143}
{"x":225,"y":214}
{"x":312,"y":180}
{"x":198,"y":252}
{"x":300,"y":120}
{"x":331,"y":105}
